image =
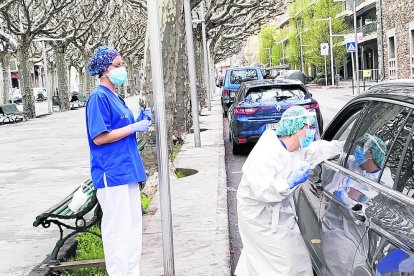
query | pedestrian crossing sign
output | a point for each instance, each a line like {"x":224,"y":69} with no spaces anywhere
{"x":350,"y":47}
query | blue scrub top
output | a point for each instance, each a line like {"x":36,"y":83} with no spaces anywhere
{"x":119,"y":161}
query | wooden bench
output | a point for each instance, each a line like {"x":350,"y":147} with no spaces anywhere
{"x":11,"y":113}
{"x":76,"y":222}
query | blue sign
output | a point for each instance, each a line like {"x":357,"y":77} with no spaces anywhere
{"x":350,"y":47}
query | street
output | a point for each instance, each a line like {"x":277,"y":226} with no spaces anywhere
{"x":330,"y":101}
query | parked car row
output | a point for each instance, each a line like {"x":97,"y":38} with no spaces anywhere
{"x":254,"y":104}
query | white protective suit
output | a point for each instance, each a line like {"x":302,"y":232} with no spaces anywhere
{"x":272,"y":242}
{"x":344,"y":245}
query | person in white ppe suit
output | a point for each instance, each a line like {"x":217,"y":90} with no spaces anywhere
{"x":272,"y":243}
{"x":339,"y":230}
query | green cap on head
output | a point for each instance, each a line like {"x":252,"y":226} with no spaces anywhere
{"x":293,"y":120}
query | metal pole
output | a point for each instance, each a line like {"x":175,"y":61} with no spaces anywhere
{"x":326,"y":74}
{"x":161,"y":133}
{"x":331,"y":42}
{"x":48,"y":92}
{"x":301,"y":51}
{"x":206,"y":73}
{"x":356,"y":49}
{"x":353,"y":72}
{"x":192,"y":71}
{"x":283,"y":52}
{"x":270,"y":59}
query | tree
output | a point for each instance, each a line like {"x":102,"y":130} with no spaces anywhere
{"x":25,"y":20}
{"x":266,"y":43}
{"x":318,"y":32}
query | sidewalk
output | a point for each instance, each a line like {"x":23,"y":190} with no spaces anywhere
{"x":199,"y":208}
{"x":44,"y":159}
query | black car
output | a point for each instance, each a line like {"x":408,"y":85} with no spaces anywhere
{"x":260,"y":104}
{"x":360,"y":222}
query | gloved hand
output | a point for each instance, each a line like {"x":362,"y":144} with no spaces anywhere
{"x":144,"y":114}
{"x":298,"y":177}
{"x":140,"y":126}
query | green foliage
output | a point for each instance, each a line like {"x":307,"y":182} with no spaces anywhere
{"x":318,"y":32}
{"x":303,"y":15}
{"x":175,"y":150}
{"x":89,"y":248}
{"x":145,"y":201}
{"x":266,"y":40}
{"x":180,"y":174}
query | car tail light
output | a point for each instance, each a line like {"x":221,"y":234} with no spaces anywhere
{"x":311,"y":106}
{"x":225,"y":92}
{"x":249,"y":110}
{"x":242,"y":140}
{"x":245,"y":111}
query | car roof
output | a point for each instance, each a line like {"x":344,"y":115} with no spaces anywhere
{"x":271,"y":82}
{"x":400,"y":90}
{"x":242,"y":68}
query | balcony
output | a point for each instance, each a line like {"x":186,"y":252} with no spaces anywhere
{"x":368,"y":29}
{"x":347,"y":7}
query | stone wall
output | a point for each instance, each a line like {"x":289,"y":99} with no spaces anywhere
{"x":397,"y":15}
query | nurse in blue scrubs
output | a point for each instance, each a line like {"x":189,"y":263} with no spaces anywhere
{"x":116,"y":166}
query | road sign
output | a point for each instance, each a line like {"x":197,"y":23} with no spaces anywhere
{"x":351,"y":37}
{"x":350,"y":47}
{"x":366,"y":73}
{"x":324,"y":49}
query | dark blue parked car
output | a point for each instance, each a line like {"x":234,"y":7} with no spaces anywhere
{"x":232,"y":81}
{"x":259,"y":105}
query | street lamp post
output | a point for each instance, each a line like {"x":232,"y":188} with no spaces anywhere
{"x":356,"y":48}
{"x":191,"y":72}
{"x":269,"y":56}
{"x":205,"y":56}
{"x":161,"y":133}
{"x":48,"y":89}
{"x":329,"y":19}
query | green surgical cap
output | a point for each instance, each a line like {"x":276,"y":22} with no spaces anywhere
{"x":293,"y":120}
{"x":376,"y":146}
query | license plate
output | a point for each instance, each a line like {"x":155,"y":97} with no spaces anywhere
{"x":233,"y":94}
{"x":271,"y":126}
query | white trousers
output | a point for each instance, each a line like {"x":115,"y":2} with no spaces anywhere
{"x":121,"y":228}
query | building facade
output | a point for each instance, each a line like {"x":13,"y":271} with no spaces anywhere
{"x":396,"y":46}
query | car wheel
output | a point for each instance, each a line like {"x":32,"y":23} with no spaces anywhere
{"x":237,"y":149}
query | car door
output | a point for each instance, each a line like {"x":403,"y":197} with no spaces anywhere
{"x":309,"y":198}
{"x":351,"y":190}
{"x":390,"y":234}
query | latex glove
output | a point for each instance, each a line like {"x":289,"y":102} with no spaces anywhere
{"x":141,"y":126}
{"x":298,"y":177}
{"x":144,"y":114}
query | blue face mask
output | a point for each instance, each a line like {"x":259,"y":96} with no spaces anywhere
{"x":308,"y":139}
{"x":118,"y":76}
{"x":359,"y":155}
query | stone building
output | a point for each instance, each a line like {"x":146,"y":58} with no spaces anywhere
{"x":396,"y":38}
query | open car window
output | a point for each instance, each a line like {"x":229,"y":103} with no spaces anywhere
{"x":274,"y":94}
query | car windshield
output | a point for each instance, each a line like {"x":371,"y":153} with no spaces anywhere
{"x":239,"y":76}
{"x":273,"y":94}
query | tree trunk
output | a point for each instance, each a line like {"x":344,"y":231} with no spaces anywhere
{"x":63,"y":89}
{"x":182,"y":122}
{"x":5,"y":84}
{"x":170,"y":34}
{"x":25,"y":77}
{"x":198,"y":52}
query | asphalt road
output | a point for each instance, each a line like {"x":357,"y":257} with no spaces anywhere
{"x":330,"y":101}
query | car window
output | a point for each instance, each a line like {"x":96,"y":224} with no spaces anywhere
{"x":273,"y":94}
{"x":238,"y":76}
{"x":370,"y":145}
{"x":400,"y":159}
